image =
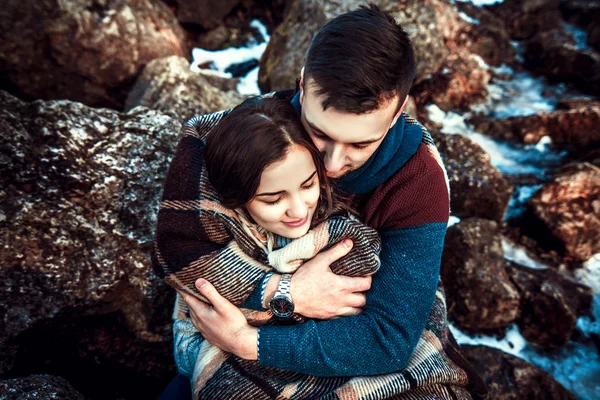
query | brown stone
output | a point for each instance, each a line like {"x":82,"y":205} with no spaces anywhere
{"x":526,"y":18}
{"x":86,"y":51}
{"x":550,"y":305}
{"x":510,"y":378}
{"x":569,"y":207}
{"x":168,"y":85}
{"x":480,"y":295}
{"x":477,"y":188}
{"x":555,"y":54}
{"x":577,"y":127}
{"x":206,"y":13}
{"x":461,"y":82}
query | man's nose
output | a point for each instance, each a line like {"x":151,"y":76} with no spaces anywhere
{"x":334,"y":158}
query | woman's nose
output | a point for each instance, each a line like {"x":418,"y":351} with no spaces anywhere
{"x":297,"y":208}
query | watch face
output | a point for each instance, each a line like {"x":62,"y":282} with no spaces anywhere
{"x":282,"y":307}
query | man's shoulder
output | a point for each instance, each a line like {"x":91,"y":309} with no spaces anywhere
{"x":417,"y":193}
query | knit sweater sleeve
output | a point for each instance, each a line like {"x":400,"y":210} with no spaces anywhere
{"x":383,"y":337}
{"x":192,"y":242}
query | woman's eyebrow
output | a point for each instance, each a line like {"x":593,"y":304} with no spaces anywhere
{"x":281,"y":191}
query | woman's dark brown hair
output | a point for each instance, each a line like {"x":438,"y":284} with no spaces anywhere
{"x":254,"y":135}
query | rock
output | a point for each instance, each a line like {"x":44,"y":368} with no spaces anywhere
{"x":461,"y":82}
{"x":526,"y":18}
{"x":569,"y":208}
{"x":241,"y":69}
{"x":593,"y":33}
{"x":510,"y":378}
{"x":36,"y":387}
{"x":206,"y":13}
{"x":283,"y":59}
{"x":550,"y":305}
{"x":486,"y":36}
{"x":480,"y":295}
{"x":477,"y":188}
{"x":579,"y":12}
{"x":85,"y":50}
{"x":80,"y":190}
{"x":576,"y":127}
{"x":555,"y":54}
{"x":168,"y":85}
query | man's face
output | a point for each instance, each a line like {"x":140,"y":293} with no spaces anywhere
{"x":345,"y":140}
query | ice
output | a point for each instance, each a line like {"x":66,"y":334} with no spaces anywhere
{"x":517,"y":254}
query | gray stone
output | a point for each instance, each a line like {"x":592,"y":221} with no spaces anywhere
{"x":36,"y":387}
{"x":168,"y":85}
{"x":80,"y":191}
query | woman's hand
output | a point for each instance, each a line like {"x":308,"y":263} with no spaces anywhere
{"x":222,"y":324}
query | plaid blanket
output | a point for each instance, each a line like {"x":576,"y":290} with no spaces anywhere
{"x":238,"y":254}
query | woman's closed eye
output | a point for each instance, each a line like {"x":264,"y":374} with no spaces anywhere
{"x":310,"y":185}
{"x":274,"y":202}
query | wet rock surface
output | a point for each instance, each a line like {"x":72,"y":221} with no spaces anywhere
{"x":550,"y":305}
{"x":569,"y":209}
{"x":480,"y":295}
{"x":554,"y":53}
{"x":208,"y":14}
{"x":36,"y":387}
{"x":508,"y":377}
{"x":87,"y":51}
{"x":575,"y":127}
{"x":526,"y":18}
{"x":169,"y":86}
{"x":80,"y":192}
{"x":283,"y":59}
{"x":477,"y":188}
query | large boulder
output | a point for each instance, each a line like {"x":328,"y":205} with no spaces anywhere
{"x":551,"y":303}
{"x":283,"y":59}
{"x":477,"y":188}
{"x":576,"y":127}
{"x":207,"y":13}
{"x":35,"y":387}
{"x":461,"y":82}
{"x":84,"y":50}
{"x":526,"y":18}
{"x":168,"y":85}
{"x":479,"y":292}
{"x":80,"y":190}
{"x":511,"y":378}
{"x":485,"y":35}
{"x":569,"y":208}
{"x":428,"y":23}
{"x":555,"y":54}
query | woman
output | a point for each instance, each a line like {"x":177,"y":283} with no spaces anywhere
{"x":263,"y":185}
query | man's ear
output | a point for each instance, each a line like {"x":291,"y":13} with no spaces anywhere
{"x":301,"y":86}
{"x":399,"y":112}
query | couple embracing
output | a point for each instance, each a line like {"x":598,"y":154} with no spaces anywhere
{"x":303,"y":232}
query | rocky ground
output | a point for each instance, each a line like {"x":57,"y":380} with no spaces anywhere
{"x":93,"y":94}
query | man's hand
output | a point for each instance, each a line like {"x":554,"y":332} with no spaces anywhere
{"x":222,"y":324}
{"x":319,"y":293}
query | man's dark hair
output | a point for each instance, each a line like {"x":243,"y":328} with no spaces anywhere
{"x":359,"y":60}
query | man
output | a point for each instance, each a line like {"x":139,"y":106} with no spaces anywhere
{"x":352,"y":92}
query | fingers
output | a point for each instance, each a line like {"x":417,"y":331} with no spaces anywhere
{"x":196,"y":306}
{"x":219,"y":303}
{"x":350,"y":311}
{"x":357,"y":284}
{"x":357,"y":300}
{"x":338,"y":251}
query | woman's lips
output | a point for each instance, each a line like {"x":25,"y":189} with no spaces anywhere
{"x":298,"y":223}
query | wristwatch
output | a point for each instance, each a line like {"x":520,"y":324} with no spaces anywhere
{"x":281,"y":304}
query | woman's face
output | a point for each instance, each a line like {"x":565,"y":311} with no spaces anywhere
{"x":287,"y":195}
